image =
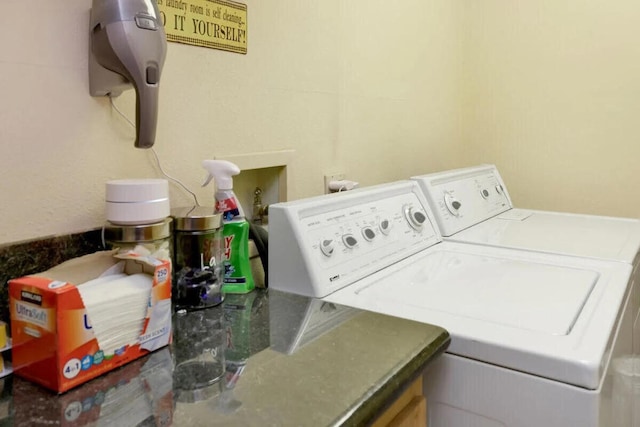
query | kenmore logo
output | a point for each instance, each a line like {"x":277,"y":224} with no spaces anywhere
{"x":31,"y":297}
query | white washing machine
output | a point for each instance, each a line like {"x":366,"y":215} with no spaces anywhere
{"x":533,"y":334}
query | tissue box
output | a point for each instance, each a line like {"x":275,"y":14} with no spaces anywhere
{"x":54,"y":343}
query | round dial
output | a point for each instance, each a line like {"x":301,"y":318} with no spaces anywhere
{"x":499,"y":189}
{"x":484,"y":193}
{"x":327,"y":246}
{"x":415,"y":217}
{"x":453,"y":204}
{"x":368,"y":233}
{"x":349,"y":240}
{"x":385,"y":226}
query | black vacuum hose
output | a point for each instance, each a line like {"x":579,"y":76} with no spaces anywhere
{"x":260,"y":237}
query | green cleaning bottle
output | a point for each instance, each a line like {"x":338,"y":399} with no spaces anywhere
{"x":237,"y":267}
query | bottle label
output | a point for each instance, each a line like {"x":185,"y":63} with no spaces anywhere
{"x":228,"y":247}
{"x":228,"y":207}
{"x":231,"y":273}
{"x":237,"y":267}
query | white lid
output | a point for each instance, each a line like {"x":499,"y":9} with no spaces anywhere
{"x":590,"y":236}
{"x":137,"y":212}
{"x":504,"y":292}
{"x":136,"y":190}
{"x":554,"y":321}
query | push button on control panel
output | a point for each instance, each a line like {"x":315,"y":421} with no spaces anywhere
{"x":349,"y":240}
{"x":385,"y":227}
{"x":368,"y":233}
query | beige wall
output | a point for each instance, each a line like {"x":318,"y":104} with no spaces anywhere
{"x":552,"y":96}
{"x":362,"y":87}
{"x":547,"y":90}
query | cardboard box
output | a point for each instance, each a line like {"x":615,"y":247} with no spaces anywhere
{"x":53,"y":340}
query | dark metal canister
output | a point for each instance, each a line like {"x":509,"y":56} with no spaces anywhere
{"x":198,"y":258}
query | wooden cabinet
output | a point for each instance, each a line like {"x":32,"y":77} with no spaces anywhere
{"x":408,"y":410}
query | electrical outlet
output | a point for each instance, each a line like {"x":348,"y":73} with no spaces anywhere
{"x":332,"y":177}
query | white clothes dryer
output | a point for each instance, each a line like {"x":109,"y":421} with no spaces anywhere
{"x":472,"y":205}
{"x":532,"y":334}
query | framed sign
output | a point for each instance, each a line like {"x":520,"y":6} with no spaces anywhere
{"x":216,"y":24}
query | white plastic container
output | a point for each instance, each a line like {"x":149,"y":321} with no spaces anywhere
{"x":137,"y":201}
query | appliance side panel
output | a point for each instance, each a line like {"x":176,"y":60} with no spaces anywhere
{"x":287,"y":259}
{"x":462,"y":391}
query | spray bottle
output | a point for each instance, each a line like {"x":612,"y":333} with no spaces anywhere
{"x":237,"y":267}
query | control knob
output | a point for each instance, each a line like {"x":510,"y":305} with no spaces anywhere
{"x":453,"y":204}
{"x":415,"y":217}
{"x":327,"y":246}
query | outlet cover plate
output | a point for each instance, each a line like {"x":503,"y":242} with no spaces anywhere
{"x":337,"y":176}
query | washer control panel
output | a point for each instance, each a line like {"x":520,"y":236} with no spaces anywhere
{"x":464,"y":197}
{"x":319,"y":245}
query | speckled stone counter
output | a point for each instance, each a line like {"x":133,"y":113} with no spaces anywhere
{"x":265,"y":358}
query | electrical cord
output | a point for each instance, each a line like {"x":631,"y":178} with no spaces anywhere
{"x":259,"y":234}
{"x":166,"y":175}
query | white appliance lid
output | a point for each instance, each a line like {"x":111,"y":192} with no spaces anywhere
{"x":535,"y":297}
{"x":555,"y":232}
{"x":547,"y":315}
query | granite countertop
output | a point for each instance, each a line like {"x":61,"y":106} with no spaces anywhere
{"x":264,"y":358}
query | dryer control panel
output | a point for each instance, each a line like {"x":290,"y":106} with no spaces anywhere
{"x":462,"y":198}
{"x":322,"y":244}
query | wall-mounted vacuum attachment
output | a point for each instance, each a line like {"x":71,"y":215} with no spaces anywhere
{"x":127,"y":48}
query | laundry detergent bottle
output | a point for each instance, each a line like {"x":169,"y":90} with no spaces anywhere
{"x":237,"y":266}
